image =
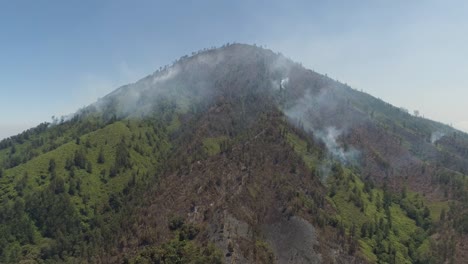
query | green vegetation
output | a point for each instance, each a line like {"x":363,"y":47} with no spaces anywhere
{"x":213,"y":145}
{"x":56,"y":206}
{"x":386,"y":227}
{"x":181,"y":249}
{"x":389,"y":228}
{"x":263,"y":253}
{"x":303,"y":148}
{"x":437,"y":209}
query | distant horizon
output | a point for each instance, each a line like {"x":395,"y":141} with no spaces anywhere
{"x":409,"y":54}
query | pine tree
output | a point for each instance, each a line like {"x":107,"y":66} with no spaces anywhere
{"x":122,"y":156}
{"x":101,"y":158}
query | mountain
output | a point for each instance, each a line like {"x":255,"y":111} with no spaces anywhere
{"x":235,"y":155}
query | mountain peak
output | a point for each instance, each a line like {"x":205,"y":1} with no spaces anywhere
{"x":235,"y":154}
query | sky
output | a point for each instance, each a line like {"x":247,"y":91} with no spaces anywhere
{"x":58,"y":56}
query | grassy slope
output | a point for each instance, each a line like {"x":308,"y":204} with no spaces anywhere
{"x":46,"y":137}
{"x":146,"y":149}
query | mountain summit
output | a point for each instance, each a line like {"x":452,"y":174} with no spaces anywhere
{"x":235,"y":154}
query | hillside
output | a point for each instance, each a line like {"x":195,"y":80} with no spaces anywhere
{"x":235,"y":155}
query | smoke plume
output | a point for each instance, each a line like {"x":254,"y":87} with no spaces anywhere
{"x":435,"y":136}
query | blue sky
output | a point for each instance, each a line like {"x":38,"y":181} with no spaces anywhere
{"x":58,"y":56}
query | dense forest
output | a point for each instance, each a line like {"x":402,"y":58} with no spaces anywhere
{"x":235,"y":155}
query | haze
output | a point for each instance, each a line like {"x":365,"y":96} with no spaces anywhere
{"x":58,"y":57}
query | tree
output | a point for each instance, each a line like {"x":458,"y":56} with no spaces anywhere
{"x":353,"y":231}
{"x":68,"y":164}
{"x":71,"y":187}
{"x":176,"y":222}
{"x":57,"y":185}
{"x":88,"y":143}
{"x":52,"y":165}
{"x":112,"y":172}
{"x":80,"y":159}
{"x":122,"y":156}
{"x":338,"y":171}
{"x":101,"y":158}
{"x":13,"y":149}
{"x":89,"y":167}
{"x":387,"y":200}
{"x":442,"y":214}
{"x":365,"y":230}
{"x":54,"y":213}
{"x":115,"y":202}
{"x":404,"y":193}
{"x":22,"y":183}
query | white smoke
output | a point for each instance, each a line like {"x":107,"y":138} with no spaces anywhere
{"x":330,"y":137}
{"x":435,"y":136}
{"x":279,"y":84}
{"x":166,"y":75}
{"x":282,"y":64}
{"x":210,"y":59}
{"x":284,"y":82}
{"x":301,"y":112}
{"x":140,"y":97}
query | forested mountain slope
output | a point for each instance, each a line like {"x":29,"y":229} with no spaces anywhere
{"x":235,"y":155}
